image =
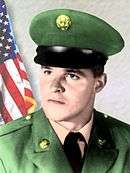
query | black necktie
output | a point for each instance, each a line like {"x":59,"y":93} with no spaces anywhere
{"x":72,"y":150}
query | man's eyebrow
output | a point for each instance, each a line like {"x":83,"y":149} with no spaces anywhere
{"x":46,"y":67}
{"x":78,"y":71}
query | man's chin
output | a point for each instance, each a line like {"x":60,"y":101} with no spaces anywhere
{"x":57,"y":117}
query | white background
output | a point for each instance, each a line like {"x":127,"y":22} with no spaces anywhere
{"x":115,"y":98}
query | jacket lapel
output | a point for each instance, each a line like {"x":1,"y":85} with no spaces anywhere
{"x":100,"y":156}
{"x":102,"y":152}
{"x":47,"y":153}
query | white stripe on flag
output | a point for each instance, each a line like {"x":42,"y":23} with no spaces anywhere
{"x":26,"y":84}
{"x":13,"y":71}
{"x":22,"y":67}
{"x":10,"y":104}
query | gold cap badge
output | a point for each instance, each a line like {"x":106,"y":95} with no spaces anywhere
{"x":63,"y":22}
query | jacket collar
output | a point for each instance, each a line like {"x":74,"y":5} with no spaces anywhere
{"x":102,"y":151}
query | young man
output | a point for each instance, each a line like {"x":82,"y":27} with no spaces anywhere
{"x":68,"y":135}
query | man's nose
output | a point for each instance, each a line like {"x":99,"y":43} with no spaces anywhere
{"x":56,"y":85}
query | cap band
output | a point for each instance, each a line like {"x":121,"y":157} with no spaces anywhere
{"x":67,"y":57}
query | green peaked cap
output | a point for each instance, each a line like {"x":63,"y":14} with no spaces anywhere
{"x":70,"y":28}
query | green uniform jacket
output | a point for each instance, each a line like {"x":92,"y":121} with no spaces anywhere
{"x":21,"y":152}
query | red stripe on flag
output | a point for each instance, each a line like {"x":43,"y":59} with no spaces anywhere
{"x":28,"y":92}
{"x":19,"y":57}
{"x":22,"y":73}
{"x":13,"y":90}
{"x":5,"y":114}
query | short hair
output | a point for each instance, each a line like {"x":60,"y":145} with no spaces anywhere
{"x":97,"y":66}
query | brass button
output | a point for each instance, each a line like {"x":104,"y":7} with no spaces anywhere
{"x":28,"y":117}
{"x":63,"y":22}
{"x":44,"y":144}
{"x":105,"y":115}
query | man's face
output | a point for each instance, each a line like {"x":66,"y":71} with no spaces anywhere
{"x":68,"y":94}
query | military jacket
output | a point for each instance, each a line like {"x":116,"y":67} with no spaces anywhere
{"x":30,"y":145}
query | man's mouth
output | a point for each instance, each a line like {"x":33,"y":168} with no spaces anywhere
{"x":56,"y":101}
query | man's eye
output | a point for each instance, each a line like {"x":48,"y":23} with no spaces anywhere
{"x":47,"y":72}
{"x":73,"y":76}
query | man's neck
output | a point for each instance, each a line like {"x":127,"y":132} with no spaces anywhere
{"x":62,"y":132}
{"x":75,"y":124}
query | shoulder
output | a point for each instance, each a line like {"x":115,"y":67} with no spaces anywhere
{"x":117,"y":128}
{"x":17,"y":125}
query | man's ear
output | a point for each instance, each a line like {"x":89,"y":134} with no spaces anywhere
{"x":100,"y":82}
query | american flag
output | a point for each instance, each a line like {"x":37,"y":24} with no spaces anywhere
{"x":16,"y":98}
